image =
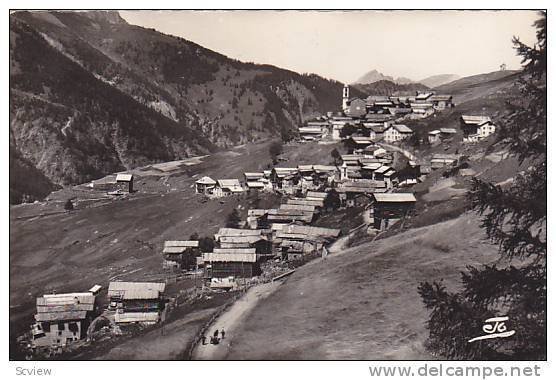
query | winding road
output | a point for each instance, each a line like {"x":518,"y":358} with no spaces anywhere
{"x":229,"y":321}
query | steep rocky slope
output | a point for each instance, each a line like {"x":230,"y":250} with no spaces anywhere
{"x":92,"y":94}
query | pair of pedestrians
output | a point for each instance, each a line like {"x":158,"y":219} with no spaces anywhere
{"x":214,"y":339}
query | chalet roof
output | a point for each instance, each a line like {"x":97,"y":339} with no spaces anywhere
{"x":305,"y":167}
{"x":383,"y":169}
{"x":324,"y":168}
{"x":423,"y":96}
{"x":421,"y":105}
{"x":378,"y":117}
{"x":372,"y":166}
{"x":140,"y":294}
{"x":361,"y":140}
{"x":255,"y":185}
{"x":206,"y":181}
{"x":253,"y":175}
{"x":225,"y":231}
{"x":445,"y":156}
{"x":360,"y":186}
{"x":129,"y":317}
{"x":95,"y":288}
{"x":232,"y":184}
{"x":225,"y":257}
{"x":241,"y":239}
{"x":181,"y":243}
{"x":66,"y":299}
{"x":304,"y":201}
{"x":135,"y":289}
{"x":475,"y":120}
{"x":311,"y":231}
{"x":234,"y":251}
{"x":124,"y":177}
{"x":435,"y":132}
{"x":394,"y":197}
{"x":402,"y":128}
{"x":289,"y":206}
{"x":448,"y":130}
{"x":311,"y":130}
{"x":316,"y":194}
{"x":61,"y":316}
{"x":441,"y":97}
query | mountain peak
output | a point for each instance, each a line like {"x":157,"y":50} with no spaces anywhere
{"x":376,"y":76}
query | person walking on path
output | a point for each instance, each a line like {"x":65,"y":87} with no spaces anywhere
{"x":216,"y":334}
{"x":204,"y":340}
{"x":223,"y":333}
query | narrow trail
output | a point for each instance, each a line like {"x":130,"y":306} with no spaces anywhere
{"x":230,"y":320}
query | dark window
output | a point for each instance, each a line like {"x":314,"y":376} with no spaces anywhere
{"x":61,"y":326}
{"x":45,"y":326}
{"x":73,"y":327}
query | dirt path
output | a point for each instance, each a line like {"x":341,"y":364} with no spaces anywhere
{"x":230,"y":320}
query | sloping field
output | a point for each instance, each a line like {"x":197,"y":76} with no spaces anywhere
{"x":362,"y":303}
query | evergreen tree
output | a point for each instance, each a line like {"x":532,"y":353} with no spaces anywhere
{"x":233,"y":219}
{"x":336,"y":157}
{"x":515,"y":219}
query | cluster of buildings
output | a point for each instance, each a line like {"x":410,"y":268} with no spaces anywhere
{"x":377,"y":117}
{"x":380,"y":118}
{"x":62,"y":319}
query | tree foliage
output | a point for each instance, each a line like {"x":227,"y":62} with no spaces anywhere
{"x":275,"y":149}
{"x":514,"y":218}
{"x":233,"y":219}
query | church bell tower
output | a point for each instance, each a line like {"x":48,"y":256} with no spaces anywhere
{"x":345,"y":98}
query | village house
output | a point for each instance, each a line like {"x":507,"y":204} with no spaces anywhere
{"x":290,"y":215}
{"x":124,"y":182}
{"x":421,"y":110}
{"x":136,"y":302}
{"x":423,"y":97}
{"x":356,"y":144}
{"x":311,"y":133}
{"x":284,"y":178}
{"x":446,"y":133}
{"x":261,"y":244}
{"x":379,"y":117}
{"x":227,"y":187}
{"x":205,"y":185}
{"x":397,"y":132}
{"x":180,"y":254}
{"x":357,"y":192}
{"x":356,"y":107}
{"x":476,"y":128}
{"x":387,"y":208}
{"x":441,"y":102}
{"x":434,"y":136}
{"x":296,"y":241}
{"x":255,"y":218}
{"x":375,"y":131}
{"x":62,"y":319}
{"x":244,"y":263}
{"x":439,"y":160}
{"x":234,"y":238}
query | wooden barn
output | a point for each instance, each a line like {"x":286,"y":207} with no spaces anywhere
{"x":387,"y":208}
{"x":136,"y":302}
{"x":180,"y":254}
{"x":124,"y":182}
{"x":242,"y":264}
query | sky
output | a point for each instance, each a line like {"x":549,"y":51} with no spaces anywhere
{"x":344,"y":45}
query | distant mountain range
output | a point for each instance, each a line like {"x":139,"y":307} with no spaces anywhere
{"x":374,"y":76}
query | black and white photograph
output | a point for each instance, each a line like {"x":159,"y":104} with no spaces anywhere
{"x":278,"y":185}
